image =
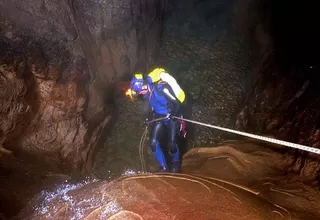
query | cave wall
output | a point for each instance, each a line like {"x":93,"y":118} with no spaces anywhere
{"x":284,"y":99}
{"x":60,"y":62}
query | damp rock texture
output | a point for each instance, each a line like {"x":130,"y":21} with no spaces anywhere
{"x":230,"y":180}
{"x":284,"y":99}
{"x":59,"y":63}
{"x":163,"y":196}
{"x":20,"y":182}
{"x":258,"y":168}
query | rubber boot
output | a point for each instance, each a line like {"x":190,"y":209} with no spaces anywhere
{"x":175,"y":168}
{"x":160,"y":158}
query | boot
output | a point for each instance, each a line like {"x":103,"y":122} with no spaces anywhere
{"x":175,"y":168}
{"x":163,"y":170}
{"x":159,"y":155}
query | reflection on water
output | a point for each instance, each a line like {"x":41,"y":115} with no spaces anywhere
{"x":130,"y":172}
{"x":61,"y":193}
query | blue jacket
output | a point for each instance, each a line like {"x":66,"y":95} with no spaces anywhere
{"x":162,"y":99}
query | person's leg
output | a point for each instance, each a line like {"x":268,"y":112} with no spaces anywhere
{"x":173,"y":130}
{"x":156,"y":134}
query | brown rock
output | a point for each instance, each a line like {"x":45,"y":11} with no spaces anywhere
{"x":60,"y":62}
{"x":284,"y":98}
{"x":155,"y":197}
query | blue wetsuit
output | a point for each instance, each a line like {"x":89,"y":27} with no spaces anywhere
{"x":162,"y":101}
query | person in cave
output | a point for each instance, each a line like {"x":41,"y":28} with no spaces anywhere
{"x":165,"y":98}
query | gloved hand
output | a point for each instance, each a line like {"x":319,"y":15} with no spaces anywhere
{"x":146,"y":121}
{"x":171,"y":115}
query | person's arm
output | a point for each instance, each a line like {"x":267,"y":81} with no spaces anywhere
{"x":166,"y":77}
{"x":148,"y":110}
{"x":174,"y":106}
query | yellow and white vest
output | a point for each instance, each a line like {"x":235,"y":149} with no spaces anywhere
{"x":160,"y":74}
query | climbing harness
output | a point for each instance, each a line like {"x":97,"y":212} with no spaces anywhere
{"x":141,"y":149}
{"x":258,"y":137}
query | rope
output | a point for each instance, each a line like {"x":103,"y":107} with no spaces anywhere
{"x":141,"y":149}
{"x":143,"y":140}
{"x":258,"y":137}
{"x":157,"y":119}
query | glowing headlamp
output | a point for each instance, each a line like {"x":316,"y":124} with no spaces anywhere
{"x":130,"y":93}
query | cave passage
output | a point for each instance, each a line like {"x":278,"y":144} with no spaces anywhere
{"x":246,"y":65}
{"x":210,"y":60}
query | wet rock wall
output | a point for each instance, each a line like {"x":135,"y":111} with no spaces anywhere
{"x":60,"y":62}
{"x":284,"y":99}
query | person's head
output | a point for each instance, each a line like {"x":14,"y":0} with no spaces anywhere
{"x":138,"y":84}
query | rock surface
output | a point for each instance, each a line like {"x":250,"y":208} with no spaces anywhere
{"x":157,"y":197}
{"x":281,"y":104}
{"x":232,"y":180}
{"x":284,"y":99}
{"x":59,"y":64}
{"x":260,"y":168}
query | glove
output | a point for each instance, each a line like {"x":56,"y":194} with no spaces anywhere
{"x":171,"y":115}
{"x":146,"y":121}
